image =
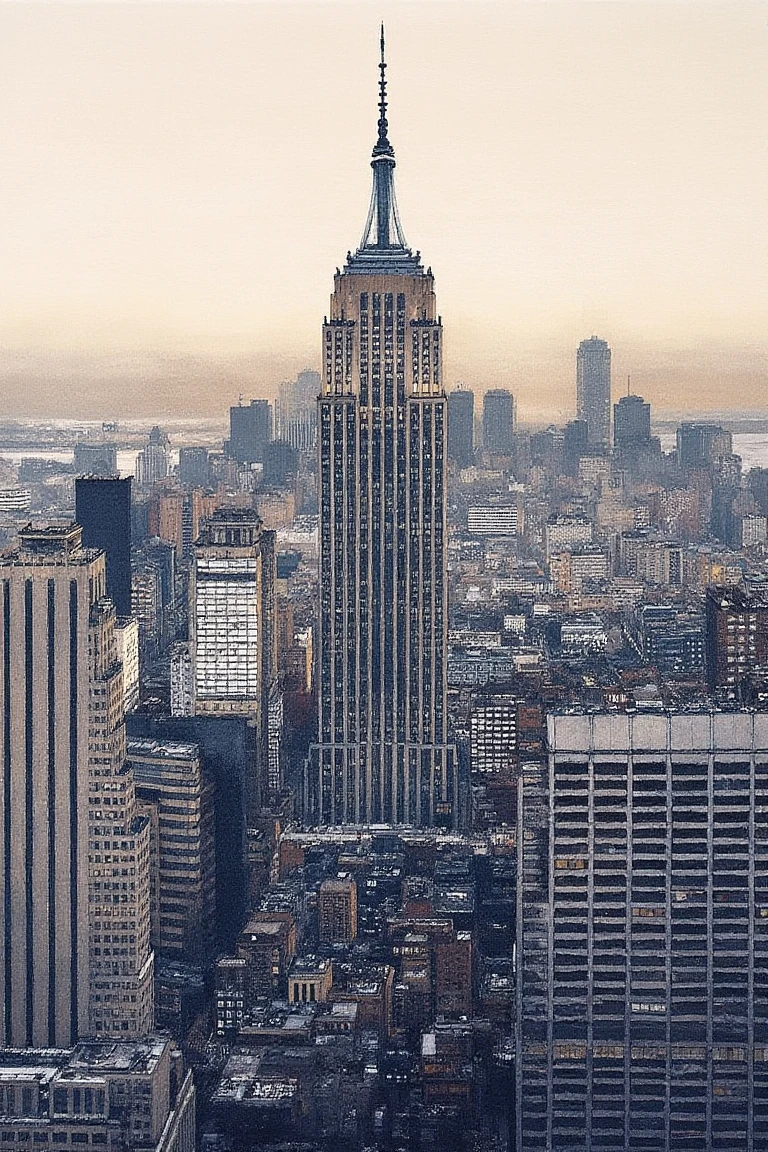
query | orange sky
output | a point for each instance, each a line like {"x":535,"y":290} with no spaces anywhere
{"x":179,"y":181}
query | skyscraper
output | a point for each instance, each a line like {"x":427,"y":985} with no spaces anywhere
{"x":461,"y":425}
{"x":103,"y":511}
{"x":233,"y":629}
{"x":172,"y":786}
{"x":154,"y":460}
{"x":231,"y":615}
{"x":643,"y":997}
{"x":250,"y":428}
{"x":698,"y":445}
{"x":593,"y":390}
{"x":194,"y":471}
{"x":631,"y":423}
{"x":296,"y":411}
{"x":65,"y":799}
{"x":382,"y":753}
{"x":499,"y":421}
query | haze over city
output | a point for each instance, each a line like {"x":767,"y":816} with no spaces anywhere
{"x":179,"y":180}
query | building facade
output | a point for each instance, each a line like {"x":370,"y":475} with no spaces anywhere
{"x":75,"y":948}
{"x":296,"y":411}
{"x":631,"y":424}
{"x":493,"y":734}
{"x":250,"y":430}
{"x":643,"y":997}
{"x":103,"y":510}
{"x":337,"y":910}
{"x":382,"y":753}
{"x":170,"y":783}
{"x":116,"y":1096}
{"x":232,"y":614}
{"x":593,"y":390}
{"x":461,"y":426}
{"x":153,"y":462}
{"x":737,"y":636}
{"x":499,"y":421}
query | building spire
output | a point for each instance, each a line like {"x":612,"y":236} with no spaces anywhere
{"x":383,"y":233}
{"x":383,"y":142}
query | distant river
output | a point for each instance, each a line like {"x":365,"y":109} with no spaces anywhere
{"x":126,"y":457}
{"x":751,"y":446}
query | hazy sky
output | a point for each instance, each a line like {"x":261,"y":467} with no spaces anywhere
{"x":178,"y":182}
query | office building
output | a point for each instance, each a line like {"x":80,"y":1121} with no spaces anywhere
{"x":127,"y":637}
{"x":176,"y":515}
{"x":232,"y":614}
{"x":153,"y":595}
{"x":274,"y":751}
{"x":95,"y":459}
{"x":103,"y":511}
{"x":698,"y":445}
{"x":194,"y":471}
{"x":593,"y":390}
{"x":250,"y":430}
{"x":75,"y":955}
{"x":563,"y":533}
{"x":631,"y":423}
{"x":461,"y":426}
{"x":499,"y":422}
{"x":267,"y":944}
{"x":672,"y":640}
{"x":296,"y":411}
{"x":737,"y":636}
{"x":121,"y":961}
{"x":117,"y":1095}
{"x":754,"y":530}
{"x":575,"y":445}
{"x":493,"y":735}
{"x":499,"y":517}
{"x":173,"y":790}
{"x":15,"y":499}
{"x":153,"y":462}
{"x":573,"y":568}
{"x":281,"y":462}
{"x":383,"y":753}
{"x":233,"y":630}
{"x":337,"y":910}
{"x":643,"y":996}
{"x":182,"y":681}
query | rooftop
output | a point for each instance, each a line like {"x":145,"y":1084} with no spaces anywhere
{"x":163,"y":749}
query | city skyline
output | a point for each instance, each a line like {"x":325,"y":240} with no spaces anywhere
{"x":611,"y":180}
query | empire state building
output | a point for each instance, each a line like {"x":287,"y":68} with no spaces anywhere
{"x":383,"y":754}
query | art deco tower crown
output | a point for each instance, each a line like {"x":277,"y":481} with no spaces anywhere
{"x":383,"y":246}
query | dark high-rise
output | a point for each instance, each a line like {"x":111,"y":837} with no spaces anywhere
{"x":250,"y":429}
{"x":631,"y":423}
{"x":593,"y":390}
{"x":194,"y":470}
{"x":103,"y":511}
{"x":382,"y":754}
{"x":575,"y":445}
{"x":461,"y":426}
{"x":499,"y":421}
{"x":698,"y":445}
